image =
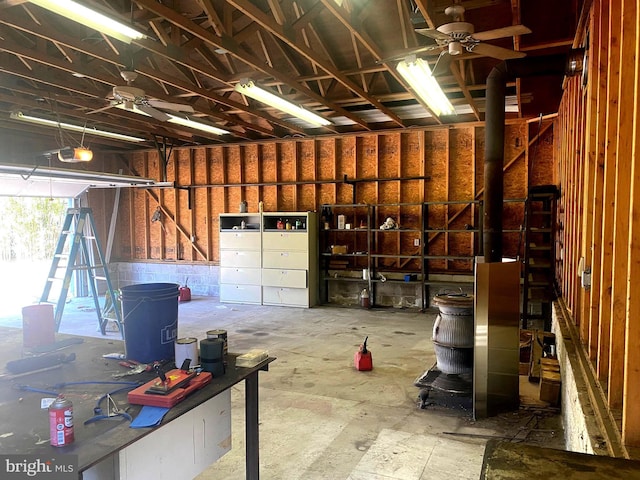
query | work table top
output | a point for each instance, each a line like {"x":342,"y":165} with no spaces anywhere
{"x":25,"y":426}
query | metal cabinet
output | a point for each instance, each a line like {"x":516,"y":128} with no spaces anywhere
{"x":289,"y":259}
{"x":240,"y":258}
{"x":269,"y":258}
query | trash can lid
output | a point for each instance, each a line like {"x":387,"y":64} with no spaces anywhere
{"x":461,"y":300}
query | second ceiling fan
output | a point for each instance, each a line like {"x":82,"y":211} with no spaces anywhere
{"x":134,"y":99}
{"x":459,"y":37}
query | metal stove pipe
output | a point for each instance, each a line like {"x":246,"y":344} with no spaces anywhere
{"x":494,"y":139}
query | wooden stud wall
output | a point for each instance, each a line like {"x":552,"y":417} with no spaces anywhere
{"x":598,"y":167}
{"x":442,"y":164}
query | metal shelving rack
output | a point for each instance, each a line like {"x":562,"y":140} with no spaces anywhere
{"x":414,"y":232}
{"x":538,"y":292}
{"x":410,"y":218}
{"x":371,"y":241}
{"x":356,"y":238}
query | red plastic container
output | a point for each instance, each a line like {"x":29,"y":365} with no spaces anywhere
{"x":362,"y":359}
{"x":184,"y":294}
{"x":38,"y":325}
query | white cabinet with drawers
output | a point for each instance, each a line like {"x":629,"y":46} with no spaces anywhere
{"x":240,"y":258}
{"x":289,"y":259}
{"x":264,"y":262}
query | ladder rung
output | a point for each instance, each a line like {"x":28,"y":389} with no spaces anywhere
{"x":534,"y":264}
{"x":53,"y":279}
{"x":89,"y":237}
{"x":101,"y":278}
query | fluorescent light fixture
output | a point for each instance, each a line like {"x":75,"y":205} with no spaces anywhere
{"x":184,"y":121}
{"x":418,"y":74}
{"x":91,"y":18}
{"x":250,"y":89}
{"x":74,"y":128}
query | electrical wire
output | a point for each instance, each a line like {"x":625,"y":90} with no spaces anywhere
{"x":27,"y":388}
{"x":59,"y":386}
{"x":89,"y":382}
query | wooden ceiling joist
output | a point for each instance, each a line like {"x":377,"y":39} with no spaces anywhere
{"x":319,"y":53}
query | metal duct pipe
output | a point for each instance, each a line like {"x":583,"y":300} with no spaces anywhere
{"x":505,"y":71}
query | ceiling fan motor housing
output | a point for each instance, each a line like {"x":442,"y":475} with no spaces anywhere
{"x":457,"y":30}
{"x":129,"y":93}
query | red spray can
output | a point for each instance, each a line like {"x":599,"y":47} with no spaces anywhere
{"x":61,"y":422}
{"x":362,"y":358}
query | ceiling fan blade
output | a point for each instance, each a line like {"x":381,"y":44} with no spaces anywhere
{"x":177,"y":107}
{"x":152,"y":112}
{"x":101,"y":109}
{"x":432,"y":33}
{"x":412,"y":51}
{"x":501,"y":32}
{"x":442,"y":65}
{"x":497,"y":52}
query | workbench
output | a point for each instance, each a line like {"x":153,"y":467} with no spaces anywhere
{"x":192,"y":435}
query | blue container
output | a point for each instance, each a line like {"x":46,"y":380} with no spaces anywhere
{"x":150,"y":316}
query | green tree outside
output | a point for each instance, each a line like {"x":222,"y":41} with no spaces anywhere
{"x":31,"y":227}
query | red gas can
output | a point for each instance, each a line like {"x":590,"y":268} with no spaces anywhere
{"x":184,"y":294}
{"x":362,"y":359}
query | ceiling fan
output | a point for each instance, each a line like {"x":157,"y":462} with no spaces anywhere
{"x":458,"y":37}
{"x":133,"y":99}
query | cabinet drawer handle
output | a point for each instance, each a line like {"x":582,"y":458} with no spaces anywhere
{"x":284,"y":254}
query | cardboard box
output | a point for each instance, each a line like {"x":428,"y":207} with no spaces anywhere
{"x":338,"y":249}
{"x":526,"y":339}
{"x":550,"y":364}
{"x":550,"y":383}
{"x":540,"y":338}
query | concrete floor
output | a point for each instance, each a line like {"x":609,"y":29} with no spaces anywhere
{"x":322,"y":419}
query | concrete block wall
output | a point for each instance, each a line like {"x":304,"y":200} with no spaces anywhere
{"x":202,"y":279}
{"x":388,"y":294}
{"x":581,"y":430}
{"x":397,"y":293}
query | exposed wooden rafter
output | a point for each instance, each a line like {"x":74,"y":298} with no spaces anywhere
{"x":321,"y":54}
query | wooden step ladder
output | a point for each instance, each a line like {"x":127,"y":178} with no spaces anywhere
{"x":539,"y":290}
{"x":79,"y":249}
